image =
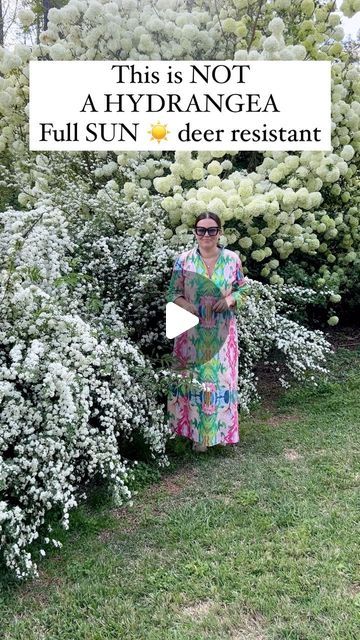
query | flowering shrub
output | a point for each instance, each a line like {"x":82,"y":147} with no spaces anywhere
{"x":87,"y":252}
{"x":267,"y":329}
{"x":292,"y":207}
{"x":70,"y":392}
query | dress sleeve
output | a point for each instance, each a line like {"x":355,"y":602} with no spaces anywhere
{"x":176,"y":284}
{"x":240,"y":286}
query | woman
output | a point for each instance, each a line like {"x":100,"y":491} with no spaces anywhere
{"x":208,"y":416}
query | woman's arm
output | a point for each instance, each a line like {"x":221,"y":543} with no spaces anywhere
{"x":176,"y":288}
{"x":176,"y":284}
{"x":240,"y":287}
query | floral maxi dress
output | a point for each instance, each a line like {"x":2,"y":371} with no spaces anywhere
{"x":207,"y":414}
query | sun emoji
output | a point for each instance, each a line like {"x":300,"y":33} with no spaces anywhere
{"x":158,"y":131}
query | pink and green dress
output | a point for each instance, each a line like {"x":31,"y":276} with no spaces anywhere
{"x":207,"y":414}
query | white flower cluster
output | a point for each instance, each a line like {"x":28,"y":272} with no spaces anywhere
{"x":86,"y":262}
{"x":302,"y":217}
{"x":268,"y":324}
{"x":70,"y":390}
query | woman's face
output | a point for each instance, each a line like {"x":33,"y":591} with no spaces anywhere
{"x":207,"y":242}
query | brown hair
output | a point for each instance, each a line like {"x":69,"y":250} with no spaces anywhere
{"x":208,"y":214}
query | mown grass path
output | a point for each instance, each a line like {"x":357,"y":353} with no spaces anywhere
{"x":258,"y":542}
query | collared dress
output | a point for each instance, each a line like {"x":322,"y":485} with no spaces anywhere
{"x":207,"y":413}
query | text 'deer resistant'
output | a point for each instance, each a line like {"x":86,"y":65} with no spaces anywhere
{"x":173,"y":105}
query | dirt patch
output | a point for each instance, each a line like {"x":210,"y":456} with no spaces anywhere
{"x":291,"y":454}
{"x":252,"y":627}
{"x":225,"y":499}
{"x":199,"y":609}
{"x":105,"y":536}
{"x":354,"y":589}
{"x":40,"y":589}
{"x":344,"y":337}
{"x":268,"y":385}
{"x":276,"y":420}
{"x":173,"y":487}
{"x":130,"y":521}
{"x":172,"y":484}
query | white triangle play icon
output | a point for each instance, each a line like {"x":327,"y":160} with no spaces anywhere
{"x":178,"y":320}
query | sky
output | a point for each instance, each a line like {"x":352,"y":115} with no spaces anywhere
{"x":350,"y":25}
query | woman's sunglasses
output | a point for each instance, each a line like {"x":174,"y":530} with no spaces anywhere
{"x":201,"y":231}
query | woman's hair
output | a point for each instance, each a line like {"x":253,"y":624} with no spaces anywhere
{"x":213,"y":216}
{"x":208,"y":214}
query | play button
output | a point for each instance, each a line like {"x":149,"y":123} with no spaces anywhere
{"x":198,"y":338}
{"x":178,"y":320}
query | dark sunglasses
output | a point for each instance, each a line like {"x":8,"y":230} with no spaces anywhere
{"x":201,"y":231}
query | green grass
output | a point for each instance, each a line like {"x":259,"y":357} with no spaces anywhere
{"x":254,"y":543}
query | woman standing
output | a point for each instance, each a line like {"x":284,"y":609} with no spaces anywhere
{"x":208,"y":416}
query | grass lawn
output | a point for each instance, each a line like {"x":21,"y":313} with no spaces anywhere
{"x":256,"y":542}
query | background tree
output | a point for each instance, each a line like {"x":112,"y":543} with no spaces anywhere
{"x":8,"y":10}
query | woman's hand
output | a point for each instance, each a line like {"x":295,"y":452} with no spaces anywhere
{"x":224,"y":303}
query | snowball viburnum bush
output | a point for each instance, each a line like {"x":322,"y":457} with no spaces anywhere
{"x":88,"y":240}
